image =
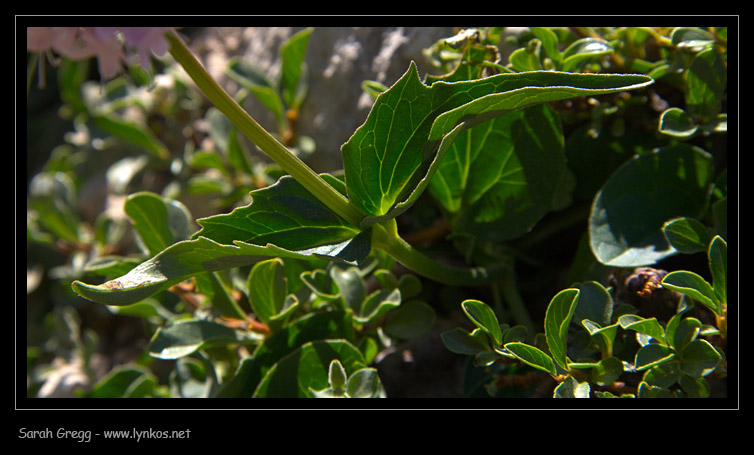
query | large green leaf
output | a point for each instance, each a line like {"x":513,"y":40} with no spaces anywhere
{"x":594,"y":155}
{"x":625,"y":226}
{"x":498,"y":179}
{"x":390,"y":158}
{"x":185,"y":259}
{"x":283,"y":213}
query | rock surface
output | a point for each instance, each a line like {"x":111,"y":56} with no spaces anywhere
{"x":339,"y":59}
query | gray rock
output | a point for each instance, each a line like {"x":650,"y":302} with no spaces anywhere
{"x":339,"y":59}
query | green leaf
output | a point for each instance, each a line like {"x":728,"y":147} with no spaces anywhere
{"x":607,"y":371}
{"x":268,"y":289}
{"x":625,"y":224}
{"x":222,"y":298}
{"x":526,"y":58}
{"x":699,"y":358}
{"x":122,"y":382}
{"x":238,"y":153}
{"x":377,"y":304}
{"x":692,"y":285}
{"x":549,"y":41}
{"x":193,"y":378}
{"x":185,"y":259}
{"x":582,"y":50}
{"x":350,"y":285}
{"x":651,"y":355}
{"x":603,"y":336}
{"x":691,"y":37}
{"x":52,"y":198}
{"x":687,"y":235}
{"x":389,"y":159}
{"x":718,"y":264}
{"x":186,"y":337}
{"x":594,"y":155}
{"x":219,"y":129}
{"x":649,"y":391}
{"x":462,"y":342}
{"x":320,"y":283}
{"x":695,"y":387}
{"x":364,"y":383}
{"x":677,"y":123}
{"x":706,"y":81}
{"x":307,"y":368}
{"x":159,"y":221}
{"x":283,"y":214}
{"x":557,"y":319}
{"x":498,"y":179}
{"x":571,"y":388}
{"x":663,"y":375}
{"x":483,"y":317}
{"x":314,"y":326}
{"x":649,"y":327}
{"x":412,"y":319}
{"x":532,"y":357}
{"x":132,"y":133}
{"x":292,"y":53}
{"x":686,"y":332}
{"x":674,"y":323}
{"x":256,"y":82}
{"x":595,"y":304}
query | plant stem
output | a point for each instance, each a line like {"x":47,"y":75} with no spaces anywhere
{"x":259,"y":136}
{"x":385,"y":236}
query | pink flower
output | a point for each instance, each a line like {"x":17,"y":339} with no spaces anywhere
{"x":145,"y":40}
{"x":110,"y":45}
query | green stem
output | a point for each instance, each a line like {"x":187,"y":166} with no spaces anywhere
{"x":259,"y":136}
{"x":385,"y":236}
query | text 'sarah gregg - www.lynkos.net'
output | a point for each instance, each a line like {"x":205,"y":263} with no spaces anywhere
{"x":86,"y":435}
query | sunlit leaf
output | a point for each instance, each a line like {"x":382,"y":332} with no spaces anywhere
{"x":557,"y":320}
{"x":390,"y":158}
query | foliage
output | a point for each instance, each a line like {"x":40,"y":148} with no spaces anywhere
{"x":295,"y":283}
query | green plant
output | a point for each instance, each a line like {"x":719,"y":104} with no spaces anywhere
{"x":613,"y":344}
{"x":295,"y":291}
